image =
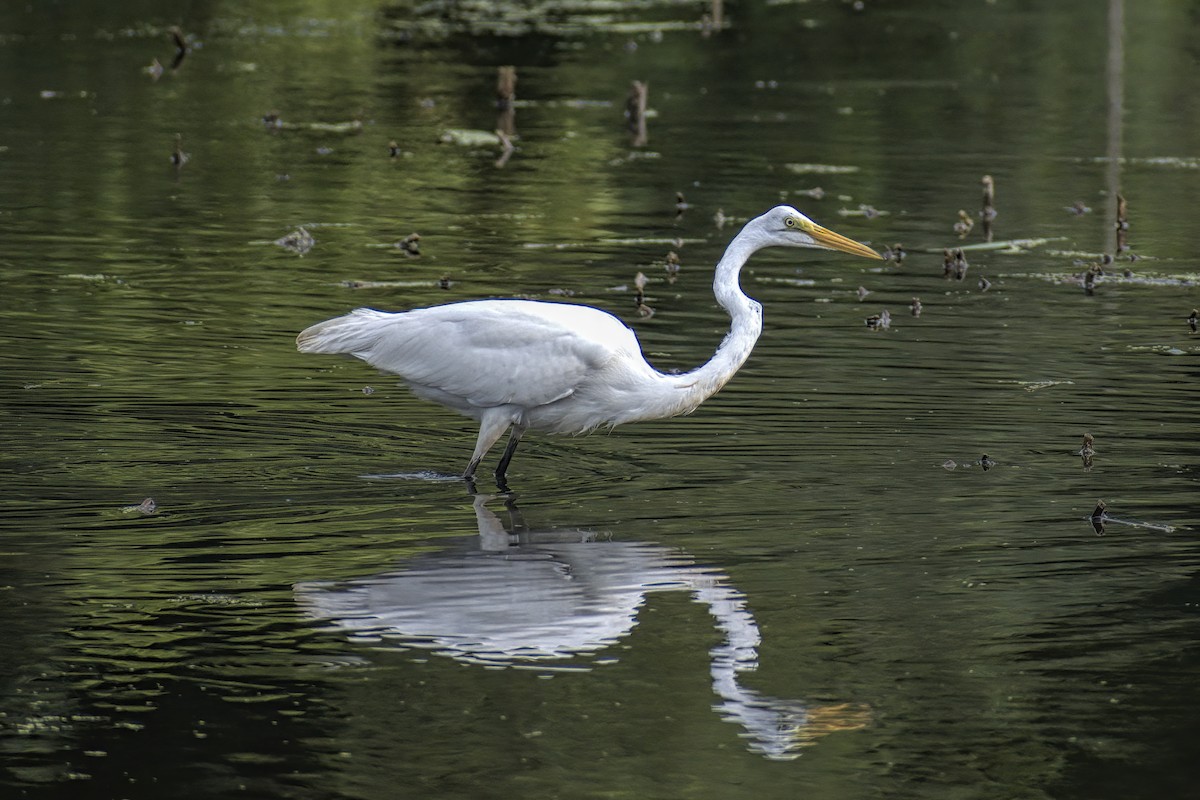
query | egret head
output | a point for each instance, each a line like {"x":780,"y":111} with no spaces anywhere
{"x":784,"y":225}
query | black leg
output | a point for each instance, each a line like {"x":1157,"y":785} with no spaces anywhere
{"x":514,"y":438}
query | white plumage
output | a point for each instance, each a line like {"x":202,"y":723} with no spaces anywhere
{"x":558,"y":367}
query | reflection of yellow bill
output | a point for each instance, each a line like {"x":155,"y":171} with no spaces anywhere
{"x":835,"y":241}
{"x":823,"y":720}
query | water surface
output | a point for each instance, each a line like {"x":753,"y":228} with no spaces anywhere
{"x":811,"y":586}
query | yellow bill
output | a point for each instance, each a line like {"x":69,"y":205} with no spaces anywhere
{"x":835,"y":241}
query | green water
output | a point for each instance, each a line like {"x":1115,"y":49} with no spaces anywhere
{"x":809,"y":587}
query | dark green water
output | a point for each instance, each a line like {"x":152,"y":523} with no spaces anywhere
{"x":786,"y":594}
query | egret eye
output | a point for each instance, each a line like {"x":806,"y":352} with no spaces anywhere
{"x":790,"y":222}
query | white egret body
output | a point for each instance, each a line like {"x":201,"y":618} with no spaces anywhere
{"x":559,"y":367}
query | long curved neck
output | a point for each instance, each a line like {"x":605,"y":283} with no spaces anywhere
{"x":746,"y":324}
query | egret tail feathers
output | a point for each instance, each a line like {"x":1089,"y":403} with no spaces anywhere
{"x":356,"y":332}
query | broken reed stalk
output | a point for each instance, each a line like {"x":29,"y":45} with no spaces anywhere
{"x":506,"y":98}
{"x":988,"y":212}
{"x":635,"y":112}
{"x":1122,"y":224}
{"x":181,"y":46}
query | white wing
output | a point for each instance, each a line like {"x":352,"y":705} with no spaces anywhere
{"x":486,"y":352}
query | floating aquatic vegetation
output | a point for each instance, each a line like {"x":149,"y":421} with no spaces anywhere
{"x":1007,"y":246}
{"x":440,"y":19}
{"x":355,"y":284}
{"x":863,"y":210}
{"x":350,"y":126}
{"x":1164,"y":349}
{"x":1087,"y":452}
{"x":964,"y":224}
{"x":785,"y":281}
{"x":1033,"y":386}
{"x":410,"y":245}
{"x":178,"y":157}
{"x":1175,"y":162}
{"x":820,"y":169}
{"x":1130,"y":279}
{"x":147,"y":506}
{"x":880,"y":322}
{"x":298,"y":241}
{"x":1100,"y":518}
{"x":635,"y":241}
{"x":466,"y":137}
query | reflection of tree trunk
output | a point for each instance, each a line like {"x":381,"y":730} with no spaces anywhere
{"x":1115,"y":81}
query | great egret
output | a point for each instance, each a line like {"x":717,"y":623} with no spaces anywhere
{"x":559,"y":367}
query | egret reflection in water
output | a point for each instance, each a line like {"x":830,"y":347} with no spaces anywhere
{"x":538,"y":597}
